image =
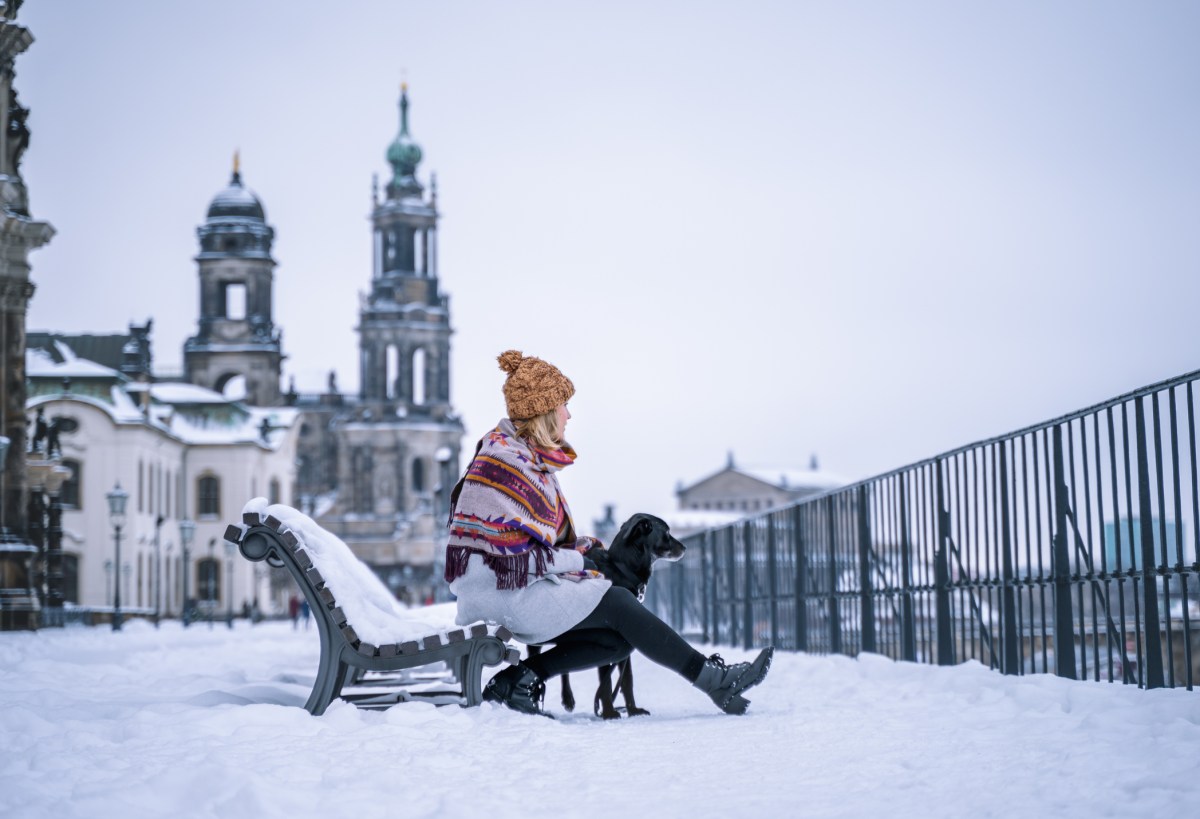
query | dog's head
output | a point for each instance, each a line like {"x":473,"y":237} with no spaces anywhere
{"x":649,"y":536}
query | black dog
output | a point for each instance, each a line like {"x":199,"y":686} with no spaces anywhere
{"x":627,"y":562}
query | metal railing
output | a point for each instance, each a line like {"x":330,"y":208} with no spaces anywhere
{"x":1081,"y":532}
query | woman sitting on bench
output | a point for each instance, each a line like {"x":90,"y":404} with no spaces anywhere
{"x":513,"y":558}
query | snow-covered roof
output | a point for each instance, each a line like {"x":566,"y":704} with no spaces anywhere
{"x":794,"y":478}
{"x":40,"y":363}
{"x":181,"y":393}
{"x":694,"y":519}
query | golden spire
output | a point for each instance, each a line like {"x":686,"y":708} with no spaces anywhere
{"x":236,"y":162}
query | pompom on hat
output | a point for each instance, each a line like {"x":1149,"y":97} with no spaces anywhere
{"x":533,"y":386}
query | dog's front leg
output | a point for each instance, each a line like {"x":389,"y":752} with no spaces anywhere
{"x":603,"y":705}
{"x":626,"y":686}
{"x":568,"y":696}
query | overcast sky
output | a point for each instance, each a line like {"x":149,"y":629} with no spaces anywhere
{"x":871,"y":231}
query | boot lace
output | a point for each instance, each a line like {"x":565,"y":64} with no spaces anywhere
{"x":719,"y":662}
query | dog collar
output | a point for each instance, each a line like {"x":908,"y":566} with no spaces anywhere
{"x":641,"y":592}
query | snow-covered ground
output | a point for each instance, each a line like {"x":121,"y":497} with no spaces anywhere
{"x":200,"y":723}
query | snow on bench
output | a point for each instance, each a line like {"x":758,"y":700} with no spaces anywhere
{"x":363,"y":628}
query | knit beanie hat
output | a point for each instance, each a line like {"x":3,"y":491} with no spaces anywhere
{"x":533,"y":386}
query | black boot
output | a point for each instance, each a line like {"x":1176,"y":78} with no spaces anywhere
{"x":519,"y":688}
{"x":725,"y":683}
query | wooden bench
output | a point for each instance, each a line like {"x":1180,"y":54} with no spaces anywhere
{"x":347,"y":658}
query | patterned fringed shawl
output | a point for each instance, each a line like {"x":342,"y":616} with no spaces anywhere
{"x":508,"y":508}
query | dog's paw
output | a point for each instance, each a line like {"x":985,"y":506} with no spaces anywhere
{"x":634,"y":711}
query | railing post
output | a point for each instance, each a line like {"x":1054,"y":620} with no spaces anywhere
{"x":865,"y":585}
{"x":1012,"y":655}
{"x":731,"y":585}
{"x":1064,"y":629}
{"x":801,"y":547}
{"x":705,"y":580}
{"x":835,"y":624}
{"x":773,"y":579}
{"x":941,"y":574}
{"x":908,"y":625}
{"x":1153,"y":653}
{"x":748,"y":590}
{"x":679,"y":596}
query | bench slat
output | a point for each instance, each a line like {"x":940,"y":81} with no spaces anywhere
{"x":504,"y":634}
{"x":366,"y":649}
{"x":233,"y":534}
{"x":273,"y":522}
{"x":409,"y":647}
{"x":512,"y":656}
{"x":456,"y":636}
{"x":250,"y":518}
{"x":389,"y":650}
{"x":315,"y":577}
{"x":430,"y":642}
{"x":339,"y":617}
{"x":303,"y":559}
{"x":327,"y":596}
{"x":479,"y":630}
{"x":350,"y":634}
{"x":290,"y":539}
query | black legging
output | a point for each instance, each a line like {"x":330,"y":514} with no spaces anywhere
{"x":617,"y":626}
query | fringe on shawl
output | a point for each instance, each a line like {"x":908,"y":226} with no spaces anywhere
{"x":512,"y":571}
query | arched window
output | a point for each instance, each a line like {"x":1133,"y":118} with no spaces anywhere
{"x":418,"y":377}
{"x":418,"y":475}
{"x":208,"y":496}
{"x":392,"y":371}
{"x":208,"y":581}
{"x":362,"y":466}
{"x":71,"y":495}
{"x":70,"y":587}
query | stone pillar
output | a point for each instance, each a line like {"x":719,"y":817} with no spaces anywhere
{"x":19,"y":234}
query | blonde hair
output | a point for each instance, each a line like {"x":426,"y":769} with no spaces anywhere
{"x":543,"y":431}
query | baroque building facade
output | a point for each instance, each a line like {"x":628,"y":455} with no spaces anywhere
{"x":375,"y":468}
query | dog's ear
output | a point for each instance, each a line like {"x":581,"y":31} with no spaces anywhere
{"x":642,"y":527}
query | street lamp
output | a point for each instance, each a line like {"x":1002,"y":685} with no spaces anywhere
{"x":157,"y":568}
{"x":229,"y":584}
{"x":5,"y":443}
{"x":116,"y":515}
{"x":187,"y":530}
{"x":211,"y":596}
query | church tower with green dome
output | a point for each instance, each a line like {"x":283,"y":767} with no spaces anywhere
{"x":397,"y":446}
{"x":237,"y":340}
{"x":404,"y":327}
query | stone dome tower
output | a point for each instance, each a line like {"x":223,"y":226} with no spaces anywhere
{"x":236,"y":338}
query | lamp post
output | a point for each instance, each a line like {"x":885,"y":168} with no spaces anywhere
{"x":211,"y":594}
{"x":116,"y":515}
{"x":54,"y":556}
{"x":157,"y":568}
{"x":187,"y":530}
{"x":444,"y":456}
{"x":167,"y":593}
{"x":5,"y":443}
{"x":229,"y":584}
{"x":108,"y":575}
